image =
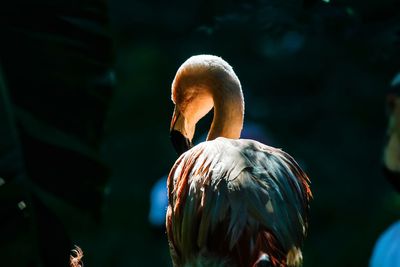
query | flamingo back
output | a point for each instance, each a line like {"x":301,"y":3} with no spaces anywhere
{"x":233,"y":202}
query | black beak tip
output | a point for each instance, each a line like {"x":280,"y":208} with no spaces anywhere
{"x":180,"y":142}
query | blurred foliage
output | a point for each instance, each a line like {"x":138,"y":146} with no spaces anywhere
{"x":56,"y":59}
{"x":314,"y":75}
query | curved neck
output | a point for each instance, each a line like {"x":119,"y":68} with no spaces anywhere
{"x":203,"y":82}
{"x":228,"y":113}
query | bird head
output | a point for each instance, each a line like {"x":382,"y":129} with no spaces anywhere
{"x":201,"y":83}
{"x":181,"y":133}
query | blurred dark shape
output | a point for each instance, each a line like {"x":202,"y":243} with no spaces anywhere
{"x":56,"y":58}
{"x":391,"y":155}
{"x":289,"y":43}
{"x":386,"y":252}
{"x":15,"y":201}
{"x":310,"y":3}
{"x":393,"y":178}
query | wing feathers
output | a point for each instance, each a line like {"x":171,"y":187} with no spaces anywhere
{"x":237,"y":199}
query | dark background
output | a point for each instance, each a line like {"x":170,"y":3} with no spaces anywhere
{"x":85,"y":91}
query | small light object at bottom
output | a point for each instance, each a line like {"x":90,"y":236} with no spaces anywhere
{"x":386,"y":252}
{"x":21,"y":205}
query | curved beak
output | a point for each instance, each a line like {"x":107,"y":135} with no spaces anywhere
{"x":180,"y":142}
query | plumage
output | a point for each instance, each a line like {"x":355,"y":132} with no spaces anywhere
{"x":232,"y":202}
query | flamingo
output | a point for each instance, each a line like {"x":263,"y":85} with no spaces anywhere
{"x":231,"y":201}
